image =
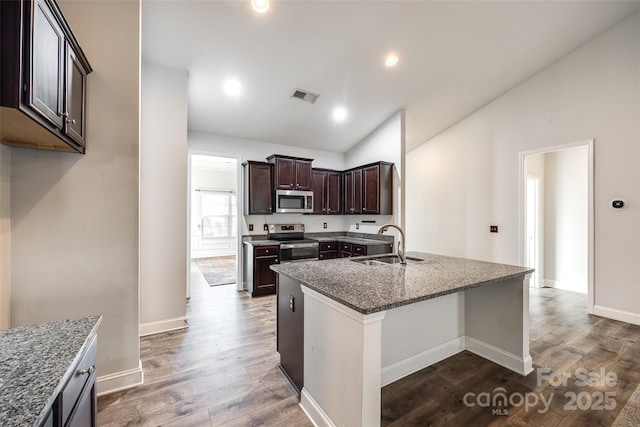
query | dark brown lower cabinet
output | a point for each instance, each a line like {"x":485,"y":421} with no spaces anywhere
{"x":328,"y":250}
{"x":351,"y":249}
{"x":290,"y":330}
{"x":76,"y":405}
{"x":260,"y":279}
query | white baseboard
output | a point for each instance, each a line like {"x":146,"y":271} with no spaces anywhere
{"x":313,"y":411}
{"x":522,"y":366}
{"x":421,"y":360}
{"x":120,"y":380}
{"x":612,"y":313}
{"x":166,"y":325}
{"x":551,"y":283}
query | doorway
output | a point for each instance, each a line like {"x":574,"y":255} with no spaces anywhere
{"x":557,"y":217}
{"x":213,"y":207}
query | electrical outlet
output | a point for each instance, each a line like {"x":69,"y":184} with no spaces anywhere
{"x":265,"y":227}
{"x":324,"y":225}
{"x":357,"y":226}
{"x":250,"y":227}
{"x":493,"y":228}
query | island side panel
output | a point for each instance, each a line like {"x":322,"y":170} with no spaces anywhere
{"x":497,"y":323}
{"x":418,"y":335}
{"x":342,"y":359}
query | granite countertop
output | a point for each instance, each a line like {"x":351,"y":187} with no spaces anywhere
{"x":372,"y":288}
{"x":353,"y":240}
{"x":262,"y":242}
{"x":344,"y":239}
{"x":36,"y":363}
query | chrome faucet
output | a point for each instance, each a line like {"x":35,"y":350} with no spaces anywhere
{"x":400,"y":243}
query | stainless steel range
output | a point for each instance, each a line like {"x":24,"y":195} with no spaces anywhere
{"x":293,"y":245}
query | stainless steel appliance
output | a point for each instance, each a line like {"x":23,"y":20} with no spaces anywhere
{"x":293,"y":201}
{"x":293,"y":245}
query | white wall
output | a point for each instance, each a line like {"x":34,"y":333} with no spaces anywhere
{"x":5,"y":236}
{"x":74,"y":218}
{"x":163,"y":199}
{"x":466,"y":178}
{"x":566,"y":220}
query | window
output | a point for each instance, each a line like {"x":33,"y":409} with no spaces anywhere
{"x":219,"y":214}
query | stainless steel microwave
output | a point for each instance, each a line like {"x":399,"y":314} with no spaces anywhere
{"x":293,"y":201}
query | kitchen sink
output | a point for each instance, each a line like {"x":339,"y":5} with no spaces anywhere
{"x":384,"y":260}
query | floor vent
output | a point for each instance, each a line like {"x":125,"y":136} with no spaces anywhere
{"x":305,"y":95}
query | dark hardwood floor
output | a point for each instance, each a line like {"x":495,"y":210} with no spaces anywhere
{"x":564,"y":339}
{"x":223,"y":371}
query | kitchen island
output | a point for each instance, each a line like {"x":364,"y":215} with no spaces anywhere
{"x":366,"y":326}
{"x":47,"y":374}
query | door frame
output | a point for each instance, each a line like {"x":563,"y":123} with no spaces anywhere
{"x":590,"y":143}
{"x":535,"y":277}
{"x":239,"y":211}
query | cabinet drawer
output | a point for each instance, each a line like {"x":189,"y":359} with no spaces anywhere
{"x":359,"y":250}
{"x":266,"y":251}
{"x":328,"y":255}
{"x":328,"y":246}
{"x":81,"y":374}
{"x":345,"y":247}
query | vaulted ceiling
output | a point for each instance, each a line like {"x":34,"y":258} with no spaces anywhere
{"x":454,"y":57}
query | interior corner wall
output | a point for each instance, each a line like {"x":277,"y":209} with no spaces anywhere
{"x":467,"y":178}
{"x":74,"y":218}
{"x":385,"y":143}
{"x":163,"y":199}
{"x":5,"y":236}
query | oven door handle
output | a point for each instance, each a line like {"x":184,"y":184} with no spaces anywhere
{"x":298,"y":245}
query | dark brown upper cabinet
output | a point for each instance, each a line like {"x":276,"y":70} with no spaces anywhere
{"x":353,"y":191}
{"x":291,"y":173}
{"x":369,"y":189}
{"x":326,"y":185}
{"x":43,"y":83}
{"x":258,"y":188}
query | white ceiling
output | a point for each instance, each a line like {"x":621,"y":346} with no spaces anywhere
{"x":455,"y":57}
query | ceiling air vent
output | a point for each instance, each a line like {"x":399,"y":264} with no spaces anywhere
{"x":305,"y":96}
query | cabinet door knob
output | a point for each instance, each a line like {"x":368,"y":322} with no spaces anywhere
{"x":72,"y":121}
{"x":87,"y":371}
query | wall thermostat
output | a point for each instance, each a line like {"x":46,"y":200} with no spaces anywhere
{"x":618,"y":204}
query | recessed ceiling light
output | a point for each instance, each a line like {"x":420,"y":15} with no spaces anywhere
{"x":339,"y":114}
{"x":232,"y":87}
{"x":260,"y":6}
{"x":391,"y":60}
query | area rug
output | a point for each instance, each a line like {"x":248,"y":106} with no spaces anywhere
{"x":630,"y":414}
{"x":219,"y":270}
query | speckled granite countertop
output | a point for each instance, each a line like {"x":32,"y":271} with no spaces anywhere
{"x":262,"y":241}
{"x":354,"y":240}
{"x":372,"y":288}
{"x":36,"y":363}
